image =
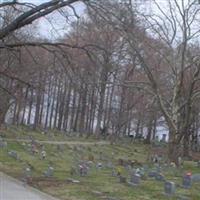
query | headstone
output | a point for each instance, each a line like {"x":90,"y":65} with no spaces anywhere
{"x":141,"y":171}
{"x":83,"y":170}
{"x":49,"y":172}
{"x":13,"y":154}
{"x":43,"y":155}
{"x":135,"y":179}
{"x":160,"y":177}
{"x":170,"y":188}
{"x":137,"y":171}
{"x":27,"y":175}
{"x":157,"y":138}
{"x":27,"y":172}
{"x":99,"y":165}
{"x":3,"y":144}
{"x":196,"y":178}
{"x":122,"y":179}
{"x":152,"y":174}
{"x":187,"y":181}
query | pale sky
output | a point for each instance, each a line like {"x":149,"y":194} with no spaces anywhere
{"x":55,"y":25}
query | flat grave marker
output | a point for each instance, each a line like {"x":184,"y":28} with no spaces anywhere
{"x":152,"y":174}
{"x":160,"y":177}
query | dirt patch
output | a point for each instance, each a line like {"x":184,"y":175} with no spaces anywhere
{"x":42,"y":182}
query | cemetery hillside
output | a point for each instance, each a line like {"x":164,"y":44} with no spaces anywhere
{"x":99,"y":99}
{"x":91,"y":169}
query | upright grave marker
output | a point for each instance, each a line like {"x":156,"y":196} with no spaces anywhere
{"x":170,"y":188}
{"x":187,"y":181}
{"x":83,"y":170}
{"x":13,"y":154}
{"x":135,"y":179}
{"x":3,"y":144}
{"x":196,"y":178}
{"x":49,"y":172}
{"x":160,"y":177}
{"x":122,"y":179}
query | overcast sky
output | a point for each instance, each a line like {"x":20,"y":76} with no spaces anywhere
{"x":55,"y":25}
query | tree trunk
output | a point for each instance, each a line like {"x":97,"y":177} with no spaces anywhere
{"x":24,"y":109}
{"x":186,"y":146}
{"x":149,"y":132}
{"x":174,"y":151}
{"x":174,"y":147}
{"x":103,"y":78}
{"x":30,"y":107}
{"x":83,"y":111}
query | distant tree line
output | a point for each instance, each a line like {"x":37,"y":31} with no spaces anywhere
{"x":117,"y":71}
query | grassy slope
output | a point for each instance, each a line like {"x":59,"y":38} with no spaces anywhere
{"x":101,"y":181}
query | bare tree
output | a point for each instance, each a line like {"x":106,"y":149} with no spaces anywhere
{"x":172,"y":46}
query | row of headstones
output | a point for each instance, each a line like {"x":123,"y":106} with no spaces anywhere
{"x":15,"y":155}
{"x":135,"y":179}
{"x":35,"y":148}
{"x":188,"y":180}
{"x":27,"y":174}
{"x":83,"y":168}
{"x":169,"y":187}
